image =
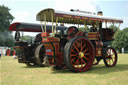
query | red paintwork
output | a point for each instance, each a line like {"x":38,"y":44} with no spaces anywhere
{"x":50,"y":39}
{"x":93,"y":36}
{"x":49,"y":53}
{"x":23,"y":27}
{"x":80,"y":33}
{"x":44,"y":34}
{"x":12,"y":27}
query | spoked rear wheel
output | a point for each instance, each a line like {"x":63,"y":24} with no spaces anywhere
{"x":79,"y":54}
{"x":110,"y":59}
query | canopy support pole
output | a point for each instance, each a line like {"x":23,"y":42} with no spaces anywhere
{"x":45,"y":22}
{"x":85,"y":25}
{"x":42,"y":26}
{"x":106,"y":24}
{"x":78,"y":23}
{"x":52,"y":21}
{"x":56,"y":23}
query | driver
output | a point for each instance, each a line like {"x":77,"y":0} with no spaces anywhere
{"x":93,"y":28}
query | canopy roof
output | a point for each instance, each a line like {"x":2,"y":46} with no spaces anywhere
{"x":31,"y":27}
{"x":73,"y":17}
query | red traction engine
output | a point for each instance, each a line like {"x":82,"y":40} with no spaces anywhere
{"x":77,"y":47}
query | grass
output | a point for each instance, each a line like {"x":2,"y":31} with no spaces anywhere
{"x":13,"y":73}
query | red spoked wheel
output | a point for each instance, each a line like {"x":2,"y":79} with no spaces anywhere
{"x":110,"y":59}
{"x":79,"y":54}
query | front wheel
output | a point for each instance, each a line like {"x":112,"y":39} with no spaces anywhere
{"x":79,"y":54}
{"x":110,"y":59}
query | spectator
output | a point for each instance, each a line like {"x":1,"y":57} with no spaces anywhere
{"x":14,"y":54}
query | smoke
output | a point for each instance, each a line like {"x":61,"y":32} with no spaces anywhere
{"x":5,"y":38}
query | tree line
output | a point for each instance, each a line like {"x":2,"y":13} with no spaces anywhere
{"x":120,"y":39}
{"x":6,"y":38}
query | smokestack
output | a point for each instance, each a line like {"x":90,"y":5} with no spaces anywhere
{"x":100,"y":13}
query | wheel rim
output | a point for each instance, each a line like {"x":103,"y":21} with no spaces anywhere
{"x":111,"y":57}
{"x":39,"y":54}
{"x":81,"y":54}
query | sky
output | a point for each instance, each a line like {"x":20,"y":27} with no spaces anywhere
{"x":26,"y":10}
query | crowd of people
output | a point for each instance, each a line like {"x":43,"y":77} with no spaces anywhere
{"x":8,"y":52}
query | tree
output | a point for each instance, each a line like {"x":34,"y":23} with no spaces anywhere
{"x":120,"y":38}
{"x":125,"y":31}
{"x":6,"y":18}
{"x":118,"y":42}
{"x":115,"y":28}
{"x":28,"y":39}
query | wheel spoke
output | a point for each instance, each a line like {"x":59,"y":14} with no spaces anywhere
{"x":85,"y":50}
{"x":109,"y":62}
{"x":73,"y":51}
{"x":112,"y":60}
{"x":82,"y":65}
{"x":86,"y":58}
{"x":83,"y":46}
{"x":76,"y":61}
{"x":113,"y":56}
{"x":73,"y":59}
{"x":78,"y":64}
{"x":83,"y":61}
{"x":76,"y":48}
{"x":77,"y":44}
{"x":86,"y":54}
{"x":73,"y":55}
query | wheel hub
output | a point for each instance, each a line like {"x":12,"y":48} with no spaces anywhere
{"x":81,"y":54}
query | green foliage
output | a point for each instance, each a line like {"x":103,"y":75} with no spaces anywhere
{"x":6,"y":39}
{"x":28,"y":38}
{"x":125,"y":31}
{"x":5,"y":18}
{"x":83,"y":29}
{"x":115,"y":28}
{"x":118,"y":42}
{"x":120,"y":38}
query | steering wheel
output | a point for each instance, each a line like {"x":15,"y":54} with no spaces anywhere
{"x":17,"y":35}
{"x":72,"y":30}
